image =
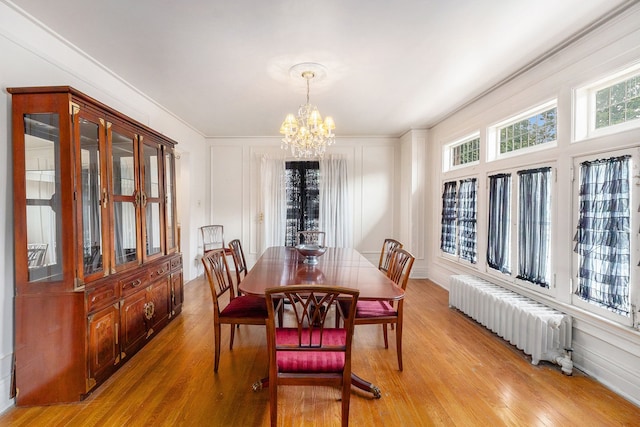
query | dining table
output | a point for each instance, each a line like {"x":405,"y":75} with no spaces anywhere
{"x":284,"y":265}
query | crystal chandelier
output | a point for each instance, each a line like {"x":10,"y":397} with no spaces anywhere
{"x":306,"y":134}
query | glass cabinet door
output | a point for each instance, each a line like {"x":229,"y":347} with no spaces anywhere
{"x":93,"y":195}
{"x":126,"y":196}
{"x":152,"y":200}
{"x":170,"y":195}
{"x":42,"y":189}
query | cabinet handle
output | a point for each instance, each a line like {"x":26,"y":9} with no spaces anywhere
{"x":161,"y":271}
{"x":136,"y":283}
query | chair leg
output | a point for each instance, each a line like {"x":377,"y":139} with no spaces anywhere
{"x":273,"y":403}
{"x":346,"y":398}
{"x":386,"y":336}
{"x":233,"y":334}
{"x":399,"y":344}
{"x":216,"y":331}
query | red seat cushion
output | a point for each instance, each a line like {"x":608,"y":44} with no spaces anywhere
{"x":246,"y":306}
{"x":310,"y":361}
{"x":374,"y":309}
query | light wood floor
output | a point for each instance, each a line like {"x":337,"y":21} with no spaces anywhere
{"x":456,"y":373}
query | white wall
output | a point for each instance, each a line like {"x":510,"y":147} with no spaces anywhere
{"x":31,"y":56}
{"x":374,"y":168}
{"x":608,"y":352}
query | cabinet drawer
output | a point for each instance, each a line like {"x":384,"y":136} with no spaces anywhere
{"x":176,"y":263}
{"x":102,"y":296}
{"x":159,"y":270}
{"x":133,"y":283}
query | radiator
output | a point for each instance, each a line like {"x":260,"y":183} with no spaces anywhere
{"x":540,"y":331}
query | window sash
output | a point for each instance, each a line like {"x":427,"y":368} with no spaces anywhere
{"x":534,"y":226}
{"x":603,"y":234}
{"x":448,"y":218}
{"x":499,"y":229}
{"x":467,"y":210}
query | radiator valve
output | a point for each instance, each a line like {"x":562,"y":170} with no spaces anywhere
{"x":565,"y":362}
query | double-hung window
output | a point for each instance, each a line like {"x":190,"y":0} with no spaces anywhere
{"x":531,"y":257}
{"x":606,"y":234}
{"x":459,"y":211}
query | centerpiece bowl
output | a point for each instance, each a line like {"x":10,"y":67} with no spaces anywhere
{"x":311,"y":253}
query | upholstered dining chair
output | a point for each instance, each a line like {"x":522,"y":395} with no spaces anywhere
{"x":311,"y":238}
{"x":239,"y":310}
{"x":386,"y":312}
{"x":388,"y":246}
{"x":309,"y":352}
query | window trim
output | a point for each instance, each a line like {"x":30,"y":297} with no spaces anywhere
{"x":584,"y":105}
{"x":447,"y":155}
{"x":456,"y":258}
{"x":634,"y":273}
{"x":512,"y":278}
{"x":493,"y":133}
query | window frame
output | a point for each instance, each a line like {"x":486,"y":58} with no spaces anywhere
{"x":457,"y":257}
{"x":448,"y":156}
{"x":514,"y":210}
{"x":584,"y":100}
{"x":634,"y":241}
{"x":493,"y":133}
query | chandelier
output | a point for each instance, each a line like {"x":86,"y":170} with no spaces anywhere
{"x":306,"y":134}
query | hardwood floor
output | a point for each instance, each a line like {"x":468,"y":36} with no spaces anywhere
{"x":455,"y":373}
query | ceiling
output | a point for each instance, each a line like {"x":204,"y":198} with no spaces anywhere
{"x":391,"y":66}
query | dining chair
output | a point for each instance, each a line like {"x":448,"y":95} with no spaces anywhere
{"x":238,"y":260}
{"x":239,"y":310}
{"x":388,"y":246}
{"x":309,"y":353}
{"x":311,"y":238}
{"x":212,"y":237}
{"x":386,"y":312}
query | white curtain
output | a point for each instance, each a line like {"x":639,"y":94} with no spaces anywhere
{"x":273,"y":217}
{"x":335,"y":204}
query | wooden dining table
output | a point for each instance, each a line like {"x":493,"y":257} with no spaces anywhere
{"x":283,"y":266}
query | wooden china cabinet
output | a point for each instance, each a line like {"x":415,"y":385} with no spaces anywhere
{"x":97,"y":267}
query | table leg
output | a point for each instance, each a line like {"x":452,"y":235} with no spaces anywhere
{"x":355,"y":381}
{"x":365,"y":385}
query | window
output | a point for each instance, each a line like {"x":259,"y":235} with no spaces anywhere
{"x":618,"y":103}
{"x":604,"y":232}
{"x":609,"y":105}
{"x":461,"y":153}
{"x":528,"y":132}
{"x":458,"y":235}
{"x":499,"y":232}
{"x":534,"y":226}
{"x":532,"y":130}
{"x":302,"y":198}
{"x":448,"y":221}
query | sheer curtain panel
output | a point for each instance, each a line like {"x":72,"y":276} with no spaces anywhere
{"x":272,"y":199}
{"x":335,"y":204}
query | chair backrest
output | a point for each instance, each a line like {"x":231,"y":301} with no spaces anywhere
{"x":400,"y":267}
{"x":311,"y":305}
{"x":218,"y":276}
{"x":212,"y":237}
{"x":311,"y":238}
{"x":238,"y":259}
{"x":386,"y":253}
